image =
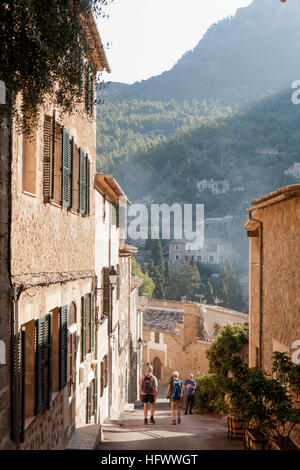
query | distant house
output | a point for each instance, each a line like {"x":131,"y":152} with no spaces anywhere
{"x":294,"y":171}
{"x":216,"y":187}
{"x":177,"y":335}
{"x":213,"y":251}
{"x":267,"y":152}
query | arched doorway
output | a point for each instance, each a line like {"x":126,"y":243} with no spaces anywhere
{"x":157,"y":368}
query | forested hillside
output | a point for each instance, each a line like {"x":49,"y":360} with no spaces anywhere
{"x":180,"y":126}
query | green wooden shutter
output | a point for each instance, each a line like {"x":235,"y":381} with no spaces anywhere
{"x":106,"y":291}
{"x":15,"y":387}
{"x":82,"y":179}
{"x":118,"y":282}
{"x":65,"y":180}
{"x":23,"y":382}
{"x":95,"y":396}
{"x":40,"y":364}
{"x":87,"y":185}
{"x":92,"y":320}
{"x":83,"y":328}
{"x":72,"y":161}
{"x":89,"y":404}
{"x":49,"y":371}
{"x":63,"y":346}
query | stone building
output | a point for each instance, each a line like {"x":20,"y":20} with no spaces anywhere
{"x":216,"y":187}
{"x":178,"y":334}
{"x":273,"y":228}
{"x":47,"y":329}
{"x":294,"y":171}
{"x":213,"y":251}
{"x":274,"y":275}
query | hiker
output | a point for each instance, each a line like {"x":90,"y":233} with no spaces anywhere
{"x":148,"y":393}
{"x":175,"y":392}
{"x":171,"y":389}
{"x":189,"y":387}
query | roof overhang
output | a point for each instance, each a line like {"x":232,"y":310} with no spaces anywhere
{"x":107,"y":185}
{"x":97,"y":52}
{"x":127,"y":250}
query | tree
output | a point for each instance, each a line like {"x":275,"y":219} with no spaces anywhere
{"x":157,"y":255}
{"x":186,"y":282}
{"x":42,"y":45}
{"x":229,"y":341}
{"x":159,"y":281}
{"x":209,"y":294}
{"x":263,"y":404}
{"x":148,"y":284}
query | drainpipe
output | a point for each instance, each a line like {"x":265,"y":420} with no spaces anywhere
{"x":260,"y":282}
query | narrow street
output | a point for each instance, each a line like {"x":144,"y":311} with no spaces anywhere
{"x":196,"y":432}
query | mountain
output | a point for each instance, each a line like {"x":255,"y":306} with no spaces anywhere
{"x":238,"y":61}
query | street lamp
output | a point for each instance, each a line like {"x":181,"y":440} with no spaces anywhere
{"x":113,"y":276}
{"x":139,"y":344}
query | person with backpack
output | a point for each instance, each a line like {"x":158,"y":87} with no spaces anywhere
{"x":175,"y":392}
{"x":148,"y":393}
{"x":189,"y":387}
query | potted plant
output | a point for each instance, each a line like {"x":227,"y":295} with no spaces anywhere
{"x":264,"y":406}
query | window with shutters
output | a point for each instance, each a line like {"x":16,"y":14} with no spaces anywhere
{"x":94,"y":397}
{"x":43,"y":363}
{"x":72,"y":351}
{"x":87,"y":185}
{"x":57,"y":166}
{"x":82,"y":182}
{"x":63,"y":346}
{"x":29,"y":163}
{"x":102,"y":379}
{"x":88,"y":404}
{"x":65,"y":168}
{"x":48,"y":157}
{"x":83,"y":328}
{"x":106,"y":292}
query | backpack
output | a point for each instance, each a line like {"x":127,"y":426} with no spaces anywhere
{"x":177,"y":387}
{"x":148,"y":387}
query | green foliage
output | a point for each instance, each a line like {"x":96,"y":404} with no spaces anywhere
{"x":262,"y":403}
{"x":185,"y":282}
{"x":228,"y":289}
{"x":286,"y":371}
{"x":148,"y":284}
{"x":41,"y":45}
{"x":208,"y":395}
{"x":229,"y":341}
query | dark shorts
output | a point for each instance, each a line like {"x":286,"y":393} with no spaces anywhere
{"x":176,"y":400}
{"x":148,"y":398}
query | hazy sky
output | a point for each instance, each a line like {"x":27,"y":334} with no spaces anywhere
{"x":148,"y":36}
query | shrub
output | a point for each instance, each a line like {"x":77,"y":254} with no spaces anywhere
{"x":208,"y":395}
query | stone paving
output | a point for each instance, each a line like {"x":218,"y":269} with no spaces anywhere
{"x":196,"y":432}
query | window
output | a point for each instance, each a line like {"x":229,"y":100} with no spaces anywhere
{"x":72,"y":351}
{"x":29,"y":163}
{"x":87,"y":324}
{"x":72,"y":314}
{"x":66,"y":169}
{"x":90,"y":91}
{"x":104,"y":375}
{"x":211,"y":259}
{"x":156,"y":337}
{"x":63,"y":346}
{"x":43,"y":363}
{"x":177,"y":257}
{"x":104,"y":209}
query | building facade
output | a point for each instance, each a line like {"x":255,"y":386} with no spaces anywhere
{"x":216,"y":187}
{"x":294,"y":171}
{"x":50,"y":320}
{"x":213,"y":251}
{"x":272,"y":229}
{"x":178,"y":334}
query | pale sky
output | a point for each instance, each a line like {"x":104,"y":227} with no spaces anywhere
{"x":148,"y":36}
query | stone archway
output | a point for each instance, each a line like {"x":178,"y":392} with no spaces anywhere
{"x":157,"y":368}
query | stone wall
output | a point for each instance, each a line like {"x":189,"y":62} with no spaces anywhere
{"x":281,"y":280}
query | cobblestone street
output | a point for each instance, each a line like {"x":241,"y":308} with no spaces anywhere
{"x":196,"y":432}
